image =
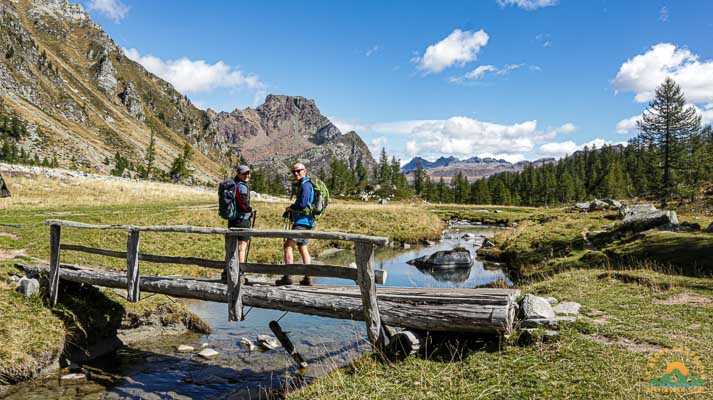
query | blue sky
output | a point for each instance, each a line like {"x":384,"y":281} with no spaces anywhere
{"x":517,"y":79}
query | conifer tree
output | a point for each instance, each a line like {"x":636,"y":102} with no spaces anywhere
{"x":665,"y":126}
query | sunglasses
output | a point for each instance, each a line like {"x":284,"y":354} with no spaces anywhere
{"x":297,"y":171}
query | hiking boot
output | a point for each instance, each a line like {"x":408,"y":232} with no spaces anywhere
{"x":285,"y":280}
{"x":307,"y":281}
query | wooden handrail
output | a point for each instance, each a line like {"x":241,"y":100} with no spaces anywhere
{"x":266,"y":233}
{"x":321,"y":270}
{"x":364,"y":274}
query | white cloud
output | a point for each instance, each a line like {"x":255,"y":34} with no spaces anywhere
{"x":561,"y":149}
{"x":193,"y":76}
{"x":372,"y":50}
{"x":459,"y":48}
{"x":528,"y":4}
{"x":643,"y":73}
{"x":628,"y":126}
{"x":376,"y":144}
{"x":114,"y":9}
{"x":350,"y":125}
{"x":480,"y":72}
{"x":663,"y":14}
{"x":567,"y":128}
{"x":465,"y":136}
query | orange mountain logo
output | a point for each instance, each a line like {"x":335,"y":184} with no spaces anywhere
{"x":676,"y":370}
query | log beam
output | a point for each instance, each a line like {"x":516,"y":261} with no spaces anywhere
{"x":487,"y":311}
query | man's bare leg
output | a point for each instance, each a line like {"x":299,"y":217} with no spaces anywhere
{"x":288,"y":258}
{"x":306,"y":259}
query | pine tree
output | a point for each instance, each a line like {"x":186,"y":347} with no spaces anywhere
{"x":666,"y":125}
{"x":418,"y":178}
{"x":150,"y":157}
{"x":479,"y":192}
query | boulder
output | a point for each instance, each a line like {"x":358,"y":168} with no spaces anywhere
{"x":535,"y":307}
{"x":710,"y":228}
{"x":567,"y":308}
{"x":456,"y":258}
{"x":583,"y":207}
{"x":635,"y":209}
{"x":651,"y":219}
{"x":551,"y":300}
{"x":598,"y":205}
{"x":28,"y":287}
{"x":4,"y":191}
{"x":613,"y":204}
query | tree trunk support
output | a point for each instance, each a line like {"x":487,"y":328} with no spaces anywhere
{"x":367,"y":286}
{"x":232,"y":269}
{"x":55,"y":232}
{"x":132,"y":266}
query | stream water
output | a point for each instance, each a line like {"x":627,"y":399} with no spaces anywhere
{"x":154,"y":370}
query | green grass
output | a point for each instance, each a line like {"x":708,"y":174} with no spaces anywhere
{"x":575,"y":366}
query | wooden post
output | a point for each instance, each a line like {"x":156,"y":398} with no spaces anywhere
{"x":55,"y":231}
{"x":132,"y":266}
{"x":367,"y":286}
{"x":232,"y":270}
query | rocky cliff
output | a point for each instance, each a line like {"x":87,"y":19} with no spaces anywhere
{"x":83,"y":101}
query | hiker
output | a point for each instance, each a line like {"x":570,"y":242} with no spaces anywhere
{"x":242,"y":200}
{"x":301,"y":218}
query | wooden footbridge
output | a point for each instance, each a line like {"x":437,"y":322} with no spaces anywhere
{"x":489,"y":311}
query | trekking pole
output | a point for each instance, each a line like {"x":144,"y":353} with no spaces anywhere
{"x":252,"y":225}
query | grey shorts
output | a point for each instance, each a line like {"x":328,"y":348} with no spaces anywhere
{"x":240,"y":223}
{"x":301,"y":242}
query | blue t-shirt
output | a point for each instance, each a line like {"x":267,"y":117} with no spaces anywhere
{"x":305,"y":198}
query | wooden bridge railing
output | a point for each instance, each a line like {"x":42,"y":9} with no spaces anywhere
{"x":364,"y":274}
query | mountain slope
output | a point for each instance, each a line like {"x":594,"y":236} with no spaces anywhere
{"x":472,"y":168}
{"x":83,"y":101}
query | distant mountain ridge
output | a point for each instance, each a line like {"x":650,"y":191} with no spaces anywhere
{"x":472,"y":168}
{"x":83,"y":101}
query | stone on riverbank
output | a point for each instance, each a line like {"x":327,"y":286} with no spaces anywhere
{"x":567,"y":308}
{"x":536,"y":307}
{"x":73,"y":378}
{"x":710,"y":228}
{"x":184,"y":348}
{"x":546,"y":322}
{"x":268,"y":342}
{"x":28,"y":287}
{"x":208,"y":353}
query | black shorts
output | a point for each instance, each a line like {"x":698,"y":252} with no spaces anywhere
{"x":301,"y":242}
{"x":240,"y":223}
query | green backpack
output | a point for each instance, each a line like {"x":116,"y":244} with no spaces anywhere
{"x":321,"y":197}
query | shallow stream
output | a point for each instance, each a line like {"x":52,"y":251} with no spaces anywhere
{"x":154,"y":370}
